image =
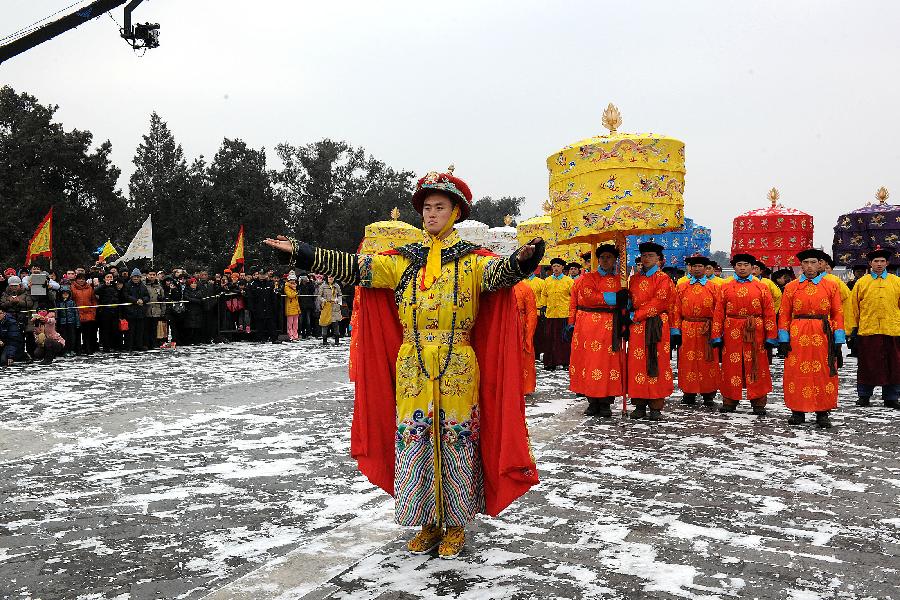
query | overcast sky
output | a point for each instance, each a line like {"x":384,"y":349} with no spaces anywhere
{"x":801,"y":95}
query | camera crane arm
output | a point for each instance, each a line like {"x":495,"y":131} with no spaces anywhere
{"x":146,"y":33}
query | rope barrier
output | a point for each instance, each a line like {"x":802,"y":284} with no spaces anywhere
{"x":151,"y":302}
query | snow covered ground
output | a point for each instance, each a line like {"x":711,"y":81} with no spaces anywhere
{"x":223,"y":472}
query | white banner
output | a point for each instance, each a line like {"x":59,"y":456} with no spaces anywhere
{"x":142,"y":244}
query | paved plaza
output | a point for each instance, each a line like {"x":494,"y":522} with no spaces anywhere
{"x":223,"y":472}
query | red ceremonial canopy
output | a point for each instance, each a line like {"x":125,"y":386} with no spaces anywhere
{"x":774,"y":234}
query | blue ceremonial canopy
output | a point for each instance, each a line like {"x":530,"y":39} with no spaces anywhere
{"x":692,"y":239}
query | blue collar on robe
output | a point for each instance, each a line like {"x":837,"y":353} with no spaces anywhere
{"x":602,"y":271}
{"x":692,"y":280}
{"x":742,"y":280}
{"x":815,"y":279}
{"x":652,"y":271}
{"x":883,"y":275}
{"x":558,"y":277}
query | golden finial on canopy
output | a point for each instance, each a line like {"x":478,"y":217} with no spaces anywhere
{"x":547,"y":206}
{"x":395,"y":214}
{"x":507,"y":220}
{"x":612,"y":118}
{"x":773,"y":196}
{"x":451,"y":168}
{"x":882,"y":194}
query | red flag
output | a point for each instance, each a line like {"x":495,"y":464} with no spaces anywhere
{"x":237,"y":259}
{"x":41,"y":243}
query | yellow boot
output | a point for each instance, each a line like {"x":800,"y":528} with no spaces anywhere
{"x":426,"y":540}
{"x":453,"y":542}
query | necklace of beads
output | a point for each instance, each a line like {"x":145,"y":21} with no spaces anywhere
{"x":415,"y":320}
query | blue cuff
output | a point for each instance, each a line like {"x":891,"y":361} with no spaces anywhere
{"x":715,"y":340}
{"x":631,"y":315}
{"x":609,"y":298}
{"x":840,"y":337}
{"x":674,"y":331}
{"x":783,"y":335}
{"x":772,"y":341}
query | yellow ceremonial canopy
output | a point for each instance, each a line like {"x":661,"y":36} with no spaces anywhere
{"x":542,"y":227}
{"x":387,"y":235}
{"x":606,"y":187}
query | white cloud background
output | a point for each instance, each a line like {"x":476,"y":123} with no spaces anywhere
{"x":802,"y":95}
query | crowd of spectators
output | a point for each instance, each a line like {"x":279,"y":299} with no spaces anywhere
{"x":45,"y":315}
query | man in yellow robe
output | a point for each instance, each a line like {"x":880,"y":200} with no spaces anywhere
{"x":438,"y":484}
{"x":874,"y":327}
{"x":826,"y":265}
{"x":557,"y":291}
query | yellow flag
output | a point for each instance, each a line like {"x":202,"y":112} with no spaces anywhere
{"x":41,"y":243}
{"x":237,"y":259}
{"x":107,"y":250}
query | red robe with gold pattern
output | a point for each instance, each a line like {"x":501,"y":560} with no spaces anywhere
{"x":651,"y":297}
{"x":744,"y":320}
{"x":808,"y":384}
{"x":595,"y":370}
{"x":692,"y":314}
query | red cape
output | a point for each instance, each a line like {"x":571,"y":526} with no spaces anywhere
{"x":508,"y":465}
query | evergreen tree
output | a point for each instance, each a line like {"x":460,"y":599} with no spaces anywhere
{"x":164,"y":186}
{"x":493,"y":212}
{"x":44,"y":166}
{"x":332,"y":191}
{"x":241,"y":193}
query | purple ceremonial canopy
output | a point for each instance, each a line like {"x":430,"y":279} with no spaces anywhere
{"x":858,"y":232}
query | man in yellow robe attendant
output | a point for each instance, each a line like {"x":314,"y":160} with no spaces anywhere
{"x":826,"y":265}
{"x":557,"y":292}
{"x":438,"y":471}
{"x":874,"y":327}
{"x":762,"y":272}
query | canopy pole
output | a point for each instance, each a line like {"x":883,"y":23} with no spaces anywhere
{"x":621,"y":244}
{"x":594,"y":256}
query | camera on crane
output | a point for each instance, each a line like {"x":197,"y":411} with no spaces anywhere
{"x":145,"y":35}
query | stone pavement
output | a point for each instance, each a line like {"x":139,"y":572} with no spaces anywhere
{"x":223,"y":473}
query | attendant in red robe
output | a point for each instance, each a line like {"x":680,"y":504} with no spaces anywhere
{"x":649,"y":368}
{"x":596,"y":311}
{"x":696,"y":301}
{"x":527,"y":306}
{"x":811,"y":332}
{"x":743,"y":325}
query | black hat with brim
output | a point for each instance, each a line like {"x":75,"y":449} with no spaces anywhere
{"x":558,"y":261}
{"x":696,"y":260}
{"x":650,"y":247}
{"x":574,"y":264}
{"x":742,"y":257}
{"x":814,"y":253}
{"x":879,"y":252}
{"x":607,"y":248}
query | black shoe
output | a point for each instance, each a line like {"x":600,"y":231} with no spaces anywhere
{"x":639,"y":412}
{"x":325,"y":342}
{"x":759,"y":411}
{"x":728,"y":408}
{"x":689,"y":399}
{"x":823,"y":421}
{"x":797,"y":418}
{"x":864,"y":402}
{"x":604,"y":410}
{"x":593,"y":407}
{"x":655,"y":415}
{"x":892,"y":404}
